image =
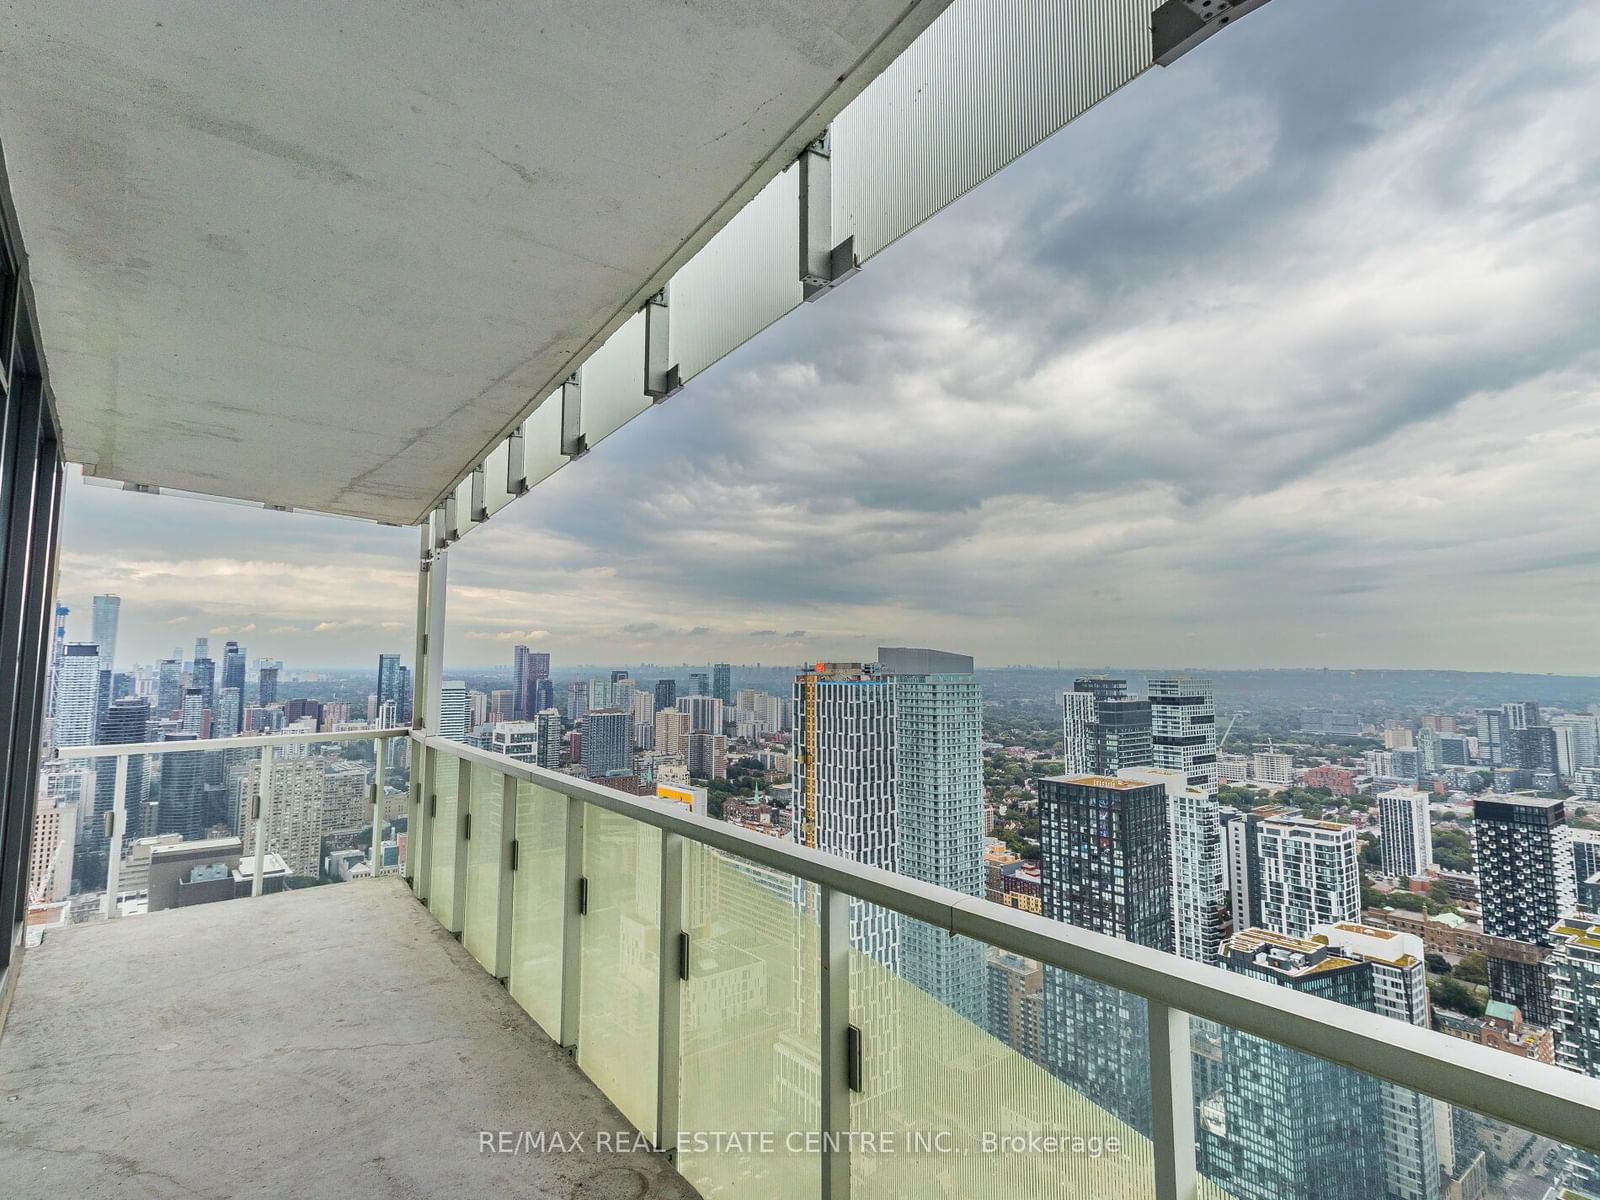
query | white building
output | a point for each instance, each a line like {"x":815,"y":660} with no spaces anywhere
{"x":77,"y":693}
{"x":1183,"y":729}
{"x":453,"y":713}
{"x":1233,"y":768}
{"x":1406,"y":840}
{"x":55,"y":838}
{"x":1272,"y":766}
{"x":516,"y":739}
{"x":1306,"y":874}
{"x":1199,"y":878}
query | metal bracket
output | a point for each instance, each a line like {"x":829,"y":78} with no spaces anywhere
{"x":574,"y":444}
{"x":513,"y":863}
{"x":480,"y":494}
{"x":683,"y":955}
{"x":466,"y":827}
{"x":824,"y":264}
{"x":852,"y":1057}
{"x":661,"y":376}
{"x":1178,"y":26}
{"x":517,"y":463}
{"x":583,"y":895}
{"x":433,"y":806}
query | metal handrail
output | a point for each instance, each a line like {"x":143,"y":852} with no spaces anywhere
{"x":253,"y":742}
{"x":1559,"y":1104}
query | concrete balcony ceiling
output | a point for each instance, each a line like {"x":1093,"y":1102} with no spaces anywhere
{"x":326,"y":255}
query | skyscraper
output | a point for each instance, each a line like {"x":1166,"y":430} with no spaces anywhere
{"x":1492,"y":737}
{"x":938,"y":802}
{"x":704,"y":712}
{"x":267,"y":686}
{"x":233,"y":661}
{"x":1104,"y":866}
{"x":193,"y":715}
{"x":107,"y":613}
{"x":577,"y":700}
{"x":1198,"y":872}
{"x":204,"y":678}
{"x":528,"y":667}
{"x":607,"y":743}
{"x":388,"y":691}
{"x":700,"y":683}
{"x":1574,"y":968}
{"x":169,"y":686}
{"x":722,"y":683}
{"x":183,"y":787}
{"x":1406,"y":844}
{"x":1183,"y":729}
{"x":1523,"y":850}
{"x":548,"y":746}
{"x":1103,"y":729}
{"x":1308,"y":874}
{"x":1242,"y":859}
{"x":1280,"y":1124}
{"x":230,"y":713}
{"x":77,"y":694}
{"x":845,"y":728}
{"x":666,"y":694}
{"x":453,"y":710}
{"x":126,"y":722}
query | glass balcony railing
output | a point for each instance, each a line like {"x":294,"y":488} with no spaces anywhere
{"x":148,"y":826}
{"x":740,"y":999}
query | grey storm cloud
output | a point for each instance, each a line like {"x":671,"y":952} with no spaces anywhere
{"x":1295,"y":335}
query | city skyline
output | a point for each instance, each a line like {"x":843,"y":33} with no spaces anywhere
{"x":1359,"y":296}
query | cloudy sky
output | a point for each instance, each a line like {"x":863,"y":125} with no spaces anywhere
{"x":1286,"y":355}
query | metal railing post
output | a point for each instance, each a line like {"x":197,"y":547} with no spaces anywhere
{"x":378,"y":790}
{"x":463,"y":850}
{"x":671,"y":971}
{"x":834,"y":1112}
{"x":1172,"y":1103}
{"x":509,"y":865}
{"x":420,"y":839}
{"x":263,"y":815}
{"x":572,"y":926}
{"x":119,"y":821}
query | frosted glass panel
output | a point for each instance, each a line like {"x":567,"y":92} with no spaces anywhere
{"x":538,"y":904}
{"x":750,"y":1028}
{"x":744,"y":279}
{"x":930,"y":1074}
{"x":613,"y":382}
{"x":495,"y":496}
{"x":617,"y":1010}
{"x":987,"y":81}
{"x":442,"y":850}
{"x":541,"y":442}
{"x":481,"y":927}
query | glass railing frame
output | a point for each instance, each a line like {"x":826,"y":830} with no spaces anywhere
{"x":1558,"y":1104}
{"x":261,"y":804}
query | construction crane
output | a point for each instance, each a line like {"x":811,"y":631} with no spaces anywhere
{"x":1229,"y":731}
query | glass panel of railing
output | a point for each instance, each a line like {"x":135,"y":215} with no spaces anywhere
{"x":188,"y":820}
{"x":480,"y":928}
{"x":539,"y":904}
{"x":443,"y":828}
{"x":946,"y":1108}
{"x":1279,"y":1124}
{"x":750,"y":1030}
{"x":617,"y":1006}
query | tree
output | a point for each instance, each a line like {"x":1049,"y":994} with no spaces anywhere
{"x":1452,"y":848}
{"x":1437,"y":963}
{"x":1473,"y":968}
{"x":1451,"y":993}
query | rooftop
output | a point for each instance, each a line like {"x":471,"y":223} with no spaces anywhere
{"x":333,"y":1033}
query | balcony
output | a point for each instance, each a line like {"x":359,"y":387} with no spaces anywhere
{"x":330,"y":1038}
{"x":620,"y":965}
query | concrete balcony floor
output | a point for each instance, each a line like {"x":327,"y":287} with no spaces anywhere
{"x":328,"y":1042}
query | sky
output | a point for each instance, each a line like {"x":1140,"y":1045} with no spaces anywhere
{"x":1284,"y":355}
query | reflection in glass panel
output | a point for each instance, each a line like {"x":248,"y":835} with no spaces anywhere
{"x":538,"y":904}
{"x":750,"y":1029}
{"x":958,"y":1099}
{"x":485,"y":859}
{"x":442,"y":849}
{"x":613,"y":382}
{"x":617,"y":1007}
